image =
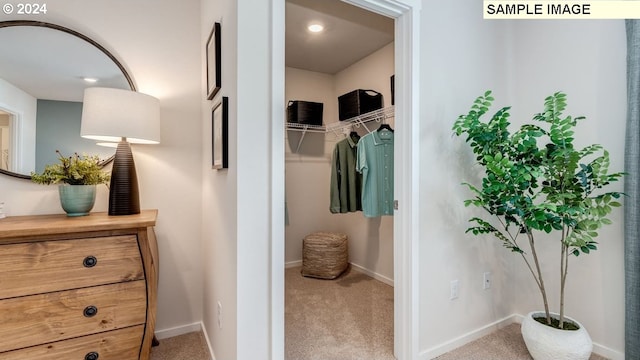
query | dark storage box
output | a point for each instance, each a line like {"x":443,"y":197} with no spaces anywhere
{"x":358,"y":102}
{"x":304,"y":112}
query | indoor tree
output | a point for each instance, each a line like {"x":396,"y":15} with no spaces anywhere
{"x":535,"y":181}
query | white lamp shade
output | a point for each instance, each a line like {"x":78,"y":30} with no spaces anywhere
{"x":111,"y":114}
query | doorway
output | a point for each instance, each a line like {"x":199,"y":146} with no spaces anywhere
{"x":351,"y":49}
{"x":5,"y":144}
{"x":407,"y":30}
{"x":8,"y":140}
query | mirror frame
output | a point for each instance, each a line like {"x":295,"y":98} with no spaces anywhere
{"x":11,"y":23}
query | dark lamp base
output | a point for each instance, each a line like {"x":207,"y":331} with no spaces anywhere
{"x":124,"y":198}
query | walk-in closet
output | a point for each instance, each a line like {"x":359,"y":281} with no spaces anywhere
{"x":339,"y":180}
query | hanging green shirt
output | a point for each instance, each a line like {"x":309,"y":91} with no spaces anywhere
{"x":375,"y":162}
{"x":346,"y":183}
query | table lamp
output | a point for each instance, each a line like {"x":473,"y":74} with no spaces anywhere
{"x":122,"y":116}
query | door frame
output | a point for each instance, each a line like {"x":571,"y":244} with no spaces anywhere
{"x":15,"y":138}
{"x":406,"y":172}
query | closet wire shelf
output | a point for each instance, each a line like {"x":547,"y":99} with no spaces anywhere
{"x":343,"y":127}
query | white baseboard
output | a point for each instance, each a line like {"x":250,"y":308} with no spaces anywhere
{"x":607,"y":352}
{"x":374,"y":275}
{"x":517,"y":318}
{"x":178,"y":330}
{"x":292,"y":264}
{"x":357,"y":267}
{"x":485,"y":330}
{"x":185,"y":329}
{"x":206,"y":337}
{"x":466,"y":338}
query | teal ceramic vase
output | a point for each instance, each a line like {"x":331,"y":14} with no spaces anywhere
{"x":77,"y":200}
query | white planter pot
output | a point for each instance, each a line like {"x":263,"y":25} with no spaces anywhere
{"x":548,"y":343}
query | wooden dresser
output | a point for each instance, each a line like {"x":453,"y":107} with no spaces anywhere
{"x":78,"y":288}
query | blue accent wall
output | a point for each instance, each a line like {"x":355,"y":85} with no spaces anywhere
{"x":58,"y":128}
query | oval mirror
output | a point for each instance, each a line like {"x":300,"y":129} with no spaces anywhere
{"x":44,"y":69}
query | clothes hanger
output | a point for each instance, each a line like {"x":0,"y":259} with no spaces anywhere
{"x":385,"y":127}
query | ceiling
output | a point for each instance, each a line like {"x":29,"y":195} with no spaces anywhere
{"x":350,"y":34}
{"x":51,"y":64}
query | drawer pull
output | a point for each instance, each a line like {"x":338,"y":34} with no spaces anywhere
{"x":91,"y":356}
{"x":90,"y":311}
{"x":90,"y":261}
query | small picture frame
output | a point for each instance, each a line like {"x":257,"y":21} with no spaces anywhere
{"x":220,"y":135}
{"x":393,"y":89}
{"x":214,"y":55}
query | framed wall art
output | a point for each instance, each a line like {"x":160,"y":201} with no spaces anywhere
{"x":214,"y":56}
{"x":393,"y":89}
{"x":220,"y":134}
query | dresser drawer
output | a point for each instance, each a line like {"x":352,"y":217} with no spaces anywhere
{"x":47,"y":266}
{"x":37,"y":319}
{"x":123,"y":344}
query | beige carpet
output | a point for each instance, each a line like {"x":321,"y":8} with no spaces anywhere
{"x":349,"y":318}
{"x":505,"y":344}
{"x":191,"y":346}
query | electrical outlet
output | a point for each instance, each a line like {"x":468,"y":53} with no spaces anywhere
{"x":453,"y":291}
{"x":2,"y":210}
{"x":219,"y":315}
{"x":486,"y":280}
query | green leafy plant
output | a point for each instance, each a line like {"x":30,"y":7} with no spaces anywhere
{"x":73,"y":170}
{"x":536,"y":181}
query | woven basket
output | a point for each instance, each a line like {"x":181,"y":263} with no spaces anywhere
{"x":324,"y":255}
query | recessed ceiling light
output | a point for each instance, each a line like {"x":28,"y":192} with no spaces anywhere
{"x":315,"y":28}
{"x":90,"y":80}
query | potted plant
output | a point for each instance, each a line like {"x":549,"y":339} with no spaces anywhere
{"x":78,"y":176}
{"x":535,"y":183}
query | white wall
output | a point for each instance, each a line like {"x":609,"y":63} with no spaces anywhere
{"x":522,"y":62}
{"x":158,"y":42}
{"x":237,"y":218}
{"x":371,"y":72}
{"x":308,"y":168}
{"x":371,"y":239}
{"x":462,"y":56}
{"x":308,"y":171}
{"x":313,"y":86}
{"x":586,"y":60}
{"x":220,"y":191}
